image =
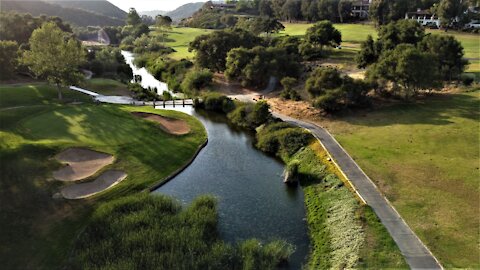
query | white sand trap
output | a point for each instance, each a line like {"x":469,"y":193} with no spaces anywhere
{"x":83,"y":190}
{"x":81,"y":163}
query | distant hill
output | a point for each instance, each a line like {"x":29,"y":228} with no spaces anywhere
{"x":153,"y":13}
{"x":75,"y":16}
{"x":102,"y":7}
{"x":178,"y":14}
{"x":185,"y":11}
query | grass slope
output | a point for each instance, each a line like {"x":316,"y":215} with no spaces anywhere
{"x":424,"y":157}
{"x":343,"y":233}
{"x":179,"y":38}
{"x":40,"y":228}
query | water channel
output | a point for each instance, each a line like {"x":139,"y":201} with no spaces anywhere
{"x":253,"y":202}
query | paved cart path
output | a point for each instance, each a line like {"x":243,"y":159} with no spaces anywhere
{"x":415,"y":252}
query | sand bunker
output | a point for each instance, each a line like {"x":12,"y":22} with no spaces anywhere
{"x":169,"y":125}
{"x":81,"y":163}
{"x":104,"y":181}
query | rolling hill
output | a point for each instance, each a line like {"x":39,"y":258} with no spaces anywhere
{"x":178,"y":14}
{"x":75,"y":16}
{"x":102,"y":7}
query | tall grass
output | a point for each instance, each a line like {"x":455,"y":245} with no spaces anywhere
{"x":154,"y":232}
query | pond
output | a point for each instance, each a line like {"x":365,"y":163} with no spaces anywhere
{"x":253,"y":200}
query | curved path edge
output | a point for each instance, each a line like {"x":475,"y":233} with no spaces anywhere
{"x":416,"y":254}
{"x":179,"y":170}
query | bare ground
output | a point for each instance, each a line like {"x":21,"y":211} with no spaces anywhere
{"x":169,"y":125}
{"x":80,"y":163}
{"x":83,"y":190}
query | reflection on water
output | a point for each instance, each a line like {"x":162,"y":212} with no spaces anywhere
{"x":253,"y":201}
{"x":147,"y":79}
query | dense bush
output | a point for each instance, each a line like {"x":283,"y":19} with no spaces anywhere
{"x":8,"y":58}
{"x":250,"y":115}
{"x":281,"y":139}
{"x":215,"y":102}
{"x":141,"y":93}
{"x":288,"y":92}
{"x":147,"y":43}
{"x":196,"y":80}
{"x":147,"y":231}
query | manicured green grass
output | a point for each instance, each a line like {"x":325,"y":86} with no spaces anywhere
{"x":179,"y":39}
{"x":107,"y":87}
{"x":41,"y":228}
{"x":424,"y":157}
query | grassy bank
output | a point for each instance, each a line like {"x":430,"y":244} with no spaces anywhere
{"x":107,"y":87}
{"x":179,"y":39}
{"x":34,"y":127}
{"x":424,"y":157}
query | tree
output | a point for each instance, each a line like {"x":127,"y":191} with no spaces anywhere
{"x":265,"y":8}
{"x":229,"y":20}
{"x":407,"y":67}
{"x":133,"y":18}
{"x":291,"y":10}
{"x":55,"y":56}
{"x":368,"y":53}
{"x":323,"y":79}
{"x":309,"y":10}
{"x":211,"y":49}
{"x":327,"y":9}
{"x":322,"y":34}
{"x":449,"y":10}
{"x":288,"y":92}
{"x":261,"y":25}
{"x":385,"y":11}
{"x":196,"y":80}
{"x":403,"y":31}
{"x":449,"y":53}
{"x":344,"y":9}
{"x":8,"y":58}
{"x":163,"y":24}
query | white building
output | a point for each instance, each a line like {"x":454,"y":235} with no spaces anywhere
{"x":424,"y":17}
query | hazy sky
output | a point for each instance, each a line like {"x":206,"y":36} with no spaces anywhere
{"x":144,"y":5}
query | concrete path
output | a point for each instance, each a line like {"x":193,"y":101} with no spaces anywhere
{"x":415,"y":252}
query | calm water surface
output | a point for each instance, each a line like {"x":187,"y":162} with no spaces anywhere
{"x":253,"y":201}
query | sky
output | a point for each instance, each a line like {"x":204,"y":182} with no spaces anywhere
{"x":146,"y":5}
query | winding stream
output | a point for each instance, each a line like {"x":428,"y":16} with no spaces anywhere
{"x":253,"y":202}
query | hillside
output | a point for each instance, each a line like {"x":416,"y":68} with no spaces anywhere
{"x":76,"y":16}
{"x":153,"y":13}
{"x":102,"y":7}
{"x":178,"y":14}
{"x":185,"y":11}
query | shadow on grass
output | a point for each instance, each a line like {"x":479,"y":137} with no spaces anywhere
{"x":433,"y":110}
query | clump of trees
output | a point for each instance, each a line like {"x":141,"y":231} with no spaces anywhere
{"x":260,"y":25}
{"x":253,"y":67}
{"x":108,"y":62}
{"x":211,"y":49}
{"x":405,"y":60}
{"x":250,"y":115}
{"x":8,"y":58}
{"x":288,"y":92}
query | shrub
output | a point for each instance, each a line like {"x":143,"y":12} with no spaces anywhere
{"x":196,"y":80}
{"x":467,"y":80}
{"x":216,"y":102}
{"x":141,"y":93}
{"x":329,"y":102}
{"x":288,"y":92}
{"x":251,"y":116}
{"x":282,"y":139}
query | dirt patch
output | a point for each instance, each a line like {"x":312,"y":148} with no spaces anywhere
{"x":80,"y":163}
{"x":83,"y":190}
{"x":169,"y":125}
